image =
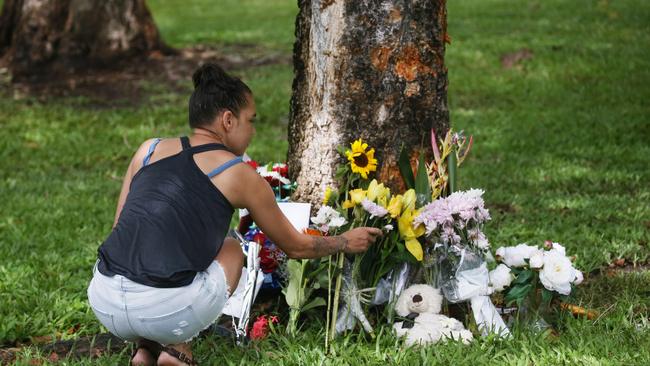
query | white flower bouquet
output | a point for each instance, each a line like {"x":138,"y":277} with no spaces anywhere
{"x":532,"y":277}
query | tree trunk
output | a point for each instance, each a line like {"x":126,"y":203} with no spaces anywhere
{"x":38,"y":37}
{"x":371,"y":69}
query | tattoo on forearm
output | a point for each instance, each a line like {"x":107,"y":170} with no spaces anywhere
{"x":326,"y":246}
{"x":341,"y":243}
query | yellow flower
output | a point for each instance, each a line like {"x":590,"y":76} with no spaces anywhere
{"x":395,"y":206}
{"x":405,"y":225}
{"x":415,"y":248}
{"x":361,"y":161}
{"x":373,"y":190}
{"x":347,"y":204}
{"x":328,"y":195}
{"x":384,"y":193}
{"x":419,"y":230}
{"x":357,"y":195}
{"x":382,"y":199}
{"x":409,"y":200}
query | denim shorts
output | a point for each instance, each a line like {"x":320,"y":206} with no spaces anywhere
{"x":133,"y":311}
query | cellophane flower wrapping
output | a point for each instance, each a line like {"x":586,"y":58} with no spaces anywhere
{"x":272,"y":259}
{"x":456,"y":243}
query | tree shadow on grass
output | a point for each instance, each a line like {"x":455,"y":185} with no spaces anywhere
{"x":127,"y":83}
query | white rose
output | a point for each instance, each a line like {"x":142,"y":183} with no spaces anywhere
{"x":536,"y":259}
{"x":516,"y":256}
{"x":579,"y":278}
{"x":501,"y":252}
{"x":501,"y":277}
{"x":559,"y":248}
{"x":558,"y":273}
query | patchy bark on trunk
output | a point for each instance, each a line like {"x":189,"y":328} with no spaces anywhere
{"x":365,"y":68}
{"x":44,"y":36}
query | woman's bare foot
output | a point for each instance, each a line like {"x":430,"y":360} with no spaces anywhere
{"x":143,"y":358}
{"x":176,"y":355}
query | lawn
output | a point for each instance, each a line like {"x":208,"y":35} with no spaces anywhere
{"x":562,"y":149}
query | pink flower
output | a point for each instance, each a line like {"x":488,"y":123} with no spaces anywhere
{"x":373,"y":209}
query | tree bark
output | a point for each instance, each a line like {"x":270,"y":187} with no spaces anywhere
{"x":44,"y":36}
{"x":371,"y":69}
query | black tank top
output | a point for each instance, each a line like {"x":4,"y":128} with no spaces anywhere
{"x":173,"y":222}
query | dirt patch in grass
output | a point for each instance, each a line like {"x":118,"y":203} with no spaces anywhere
{"x":125,"y":83}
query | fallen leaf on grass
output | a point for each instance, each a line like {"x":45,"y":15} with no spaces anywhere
{"x":579,"y":311}
{"x":509,"y":60}
{"x":74,"y":328}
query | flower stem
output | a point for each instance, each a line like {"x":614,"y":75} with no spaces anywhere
{"x":337,"y":292}
{"x":329,"y":303}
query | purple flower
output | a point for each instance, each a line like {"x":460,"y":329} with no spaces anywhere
{"x":373,"y":209}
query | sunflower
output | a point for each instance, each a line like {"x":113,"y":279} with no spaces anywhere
{"x":361,"y":161}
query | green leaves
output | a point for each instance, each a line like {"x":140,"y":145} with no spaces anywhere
{"x":404,"y":165}
{"x":422,"y":185}
{"x":452,"y":170}
{"x":518,"y":293}
{"x":420,"y":181}
{"x":523,"y":277}
{"x":316,"y":302}
{"x":547,"y":296}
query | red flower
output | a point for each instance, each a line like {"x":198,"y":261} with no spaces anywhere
{"x":253,"y":164}
{"x":272,"y":181}
{"x":259,"y":238}
{"x":261,"y":326}
{"x":244,"y":223}
{"x":268,"y":262}
{"x":282,"y":169}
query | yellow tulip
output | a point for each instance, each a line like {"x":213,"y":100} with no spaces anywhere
{"x":415,"y":248}
{"x":409,"y":200}
{"x":373,"y":190}
{"x":382,"y":200}
{"x":384,"y":193}
{"x":328,"y":195}
{"x":395,"y":206}
{"x":347,"y":204}
{"x":357,"y":195}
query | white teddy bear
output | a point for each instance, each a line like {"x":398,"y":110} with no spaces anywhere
{"x":421,"y":305}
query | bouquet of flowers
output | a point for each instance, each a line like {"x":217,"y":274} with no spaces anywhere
{"x":361,"y":201}
{"x":277,"y":176}
{"x":453,"y":226}
{"x":532,"y":277}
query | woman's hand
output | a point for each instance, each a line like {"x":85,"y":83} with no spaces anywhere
{"x":359,"y":239}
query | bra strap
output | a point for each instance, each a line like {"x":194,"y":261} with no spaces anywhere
{"x":225,"y":166}
{"x":152,"y":147}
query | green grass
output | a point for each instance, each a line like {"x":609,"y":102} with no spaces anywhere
{"x":226,"y":22}
{"x":561,"y":150}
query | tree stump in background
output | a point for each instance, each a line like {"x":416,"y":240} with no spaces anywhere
{"x":39,"y":37}
{"x":365,"y":68}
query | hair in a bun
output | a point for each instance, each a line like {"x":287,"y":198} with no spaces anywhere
{"x":214,"y":91}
